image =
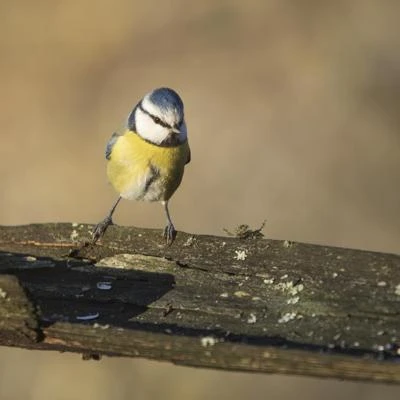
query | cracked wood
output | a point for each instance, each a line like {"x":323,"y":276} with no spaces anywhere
{"x":234,"y":303}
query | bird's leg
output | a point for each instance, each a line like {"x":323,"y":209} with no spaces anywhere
{"x":169,"y":231}
{"x":102,"y":226}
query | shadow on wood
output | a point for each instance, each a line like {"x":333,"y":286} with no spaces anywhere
{"x":248,"y":304}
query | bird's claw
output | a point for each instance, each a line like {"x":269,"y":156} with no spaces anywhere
{"x":169,"y":234}
{"x":100,"y":229}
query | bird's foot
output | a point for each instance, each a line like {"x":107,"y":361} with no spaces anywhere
{"x":169,"y":234}
{"x":100,"y":229}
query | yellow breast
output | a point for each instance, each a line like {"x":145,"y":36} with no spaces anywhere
{"x":140,"y":170}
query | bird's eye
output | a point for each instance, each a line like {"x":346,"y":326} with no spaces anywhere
{"x":157,"y":120}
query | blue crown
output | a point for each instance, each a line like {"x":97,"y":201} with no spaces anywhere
{"x":166,"y":99}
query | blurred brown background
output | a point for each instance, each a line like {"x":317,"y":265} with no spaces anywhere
{"x":293,"y":115}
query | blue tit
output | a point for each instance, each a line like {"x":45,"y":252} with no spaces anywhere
{"x":147,"y":160}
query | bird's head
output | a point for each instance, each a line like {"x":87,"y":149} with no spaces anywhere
{"x":159,"y":118}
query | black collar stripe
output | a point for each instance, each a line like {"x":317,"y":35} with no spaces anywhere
{"x":170,"y":141}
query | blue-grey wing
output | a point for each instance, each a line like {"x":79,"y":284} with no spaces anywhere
{"x":113,"y":139}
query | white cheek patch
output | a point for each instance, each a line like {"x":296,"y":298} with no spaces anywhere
{"x":148,"y":129}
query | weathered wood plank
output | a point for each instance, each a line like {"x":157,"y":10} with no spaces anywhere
{"x":18,"y":321}
{"x":234,"y":303}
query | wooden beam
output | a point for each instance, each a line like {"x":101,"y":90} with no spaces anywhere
{"x":236,"y":303}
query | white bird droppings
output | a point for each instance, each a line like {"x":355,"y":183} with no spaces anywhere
{"x":208,"y":341}
{"x":252,"y":319}
{"x":268,"y":281}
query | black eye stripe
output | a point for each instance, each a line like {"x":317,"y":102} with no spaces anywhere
{"x":156,"y":120}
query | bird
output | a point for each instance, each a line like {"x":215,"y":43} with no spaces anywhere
{"x":146,"y":161}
